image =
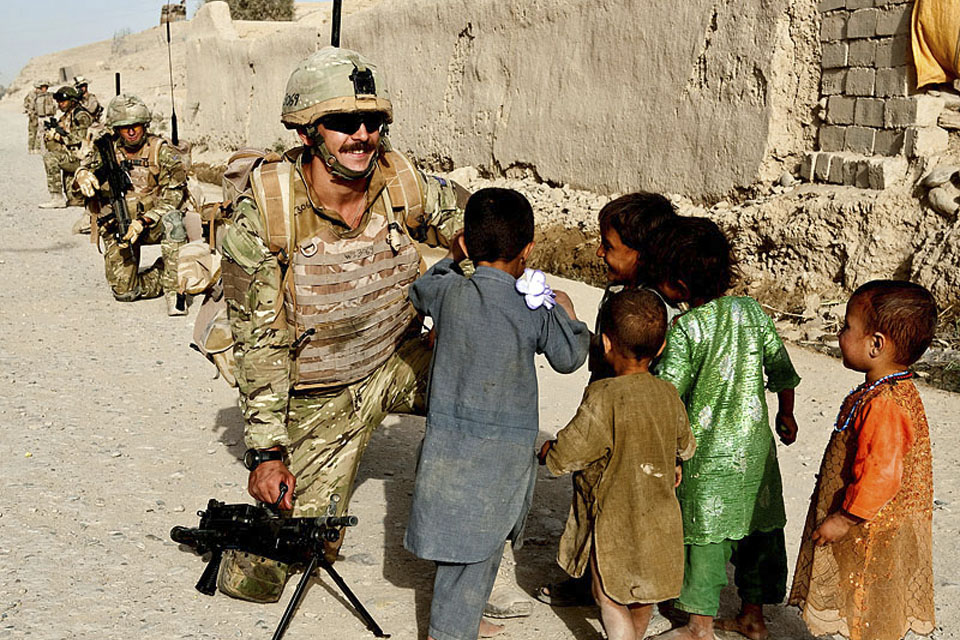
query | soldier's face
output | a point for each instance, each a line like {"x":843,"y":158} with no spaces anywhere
{"x":64,"y":105}
{"x":353,"y":149}
{"x":132,"y":135}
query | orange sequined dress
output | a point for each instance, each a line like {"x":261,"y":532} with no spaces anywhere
{"x":877,"y":582}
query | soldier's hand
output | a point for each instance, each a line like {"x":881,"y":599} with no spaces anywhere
{"x":133,"y":232}
{"x":87,"y":182}
{"x":264,"y":483}
{"x":51,"y":134}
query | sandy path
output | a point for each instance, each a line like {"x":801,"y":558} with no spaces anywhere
{"x":114,"y":431}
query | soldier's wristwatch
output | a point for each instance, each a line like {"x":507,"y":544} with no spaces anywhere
{"x":253,"y":458}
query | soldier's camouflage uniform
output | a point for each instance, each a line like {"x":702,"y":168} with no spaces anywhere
{"x":30,"y":108}
{"x":324,"y":433}
{"x":92,"y":105}
{"x":156,"y":198}
{"x":61,"y":160}
{"x":44,"y":106}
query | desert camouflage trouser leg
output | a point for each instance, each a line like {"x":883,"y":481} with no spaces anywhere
{"x":121,"y":265}
{"x":54,"y":162}
{"x":330,"y":433}
{"x":32,"y":125}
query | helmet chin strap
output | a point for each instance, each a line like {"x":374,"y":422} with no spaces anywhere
{"x":337,"y":169}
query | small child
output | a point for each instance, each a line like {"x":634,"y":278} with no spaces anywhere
{"x":624,"y":224}
{"x":865,"y":568}
{"x":625,"y":444}
{"x":731,"y":496}
{"x":476,"y":472}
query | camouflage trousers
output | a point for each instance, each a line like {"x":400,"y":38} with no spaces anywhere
{"x":33,"y":123}
{"x":329,"y":433}
{"x":60,"y":165}
{"x":121,"y":265}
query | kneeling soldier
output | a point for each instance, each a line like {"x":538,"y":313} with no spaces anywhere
{"x":158,"y":192}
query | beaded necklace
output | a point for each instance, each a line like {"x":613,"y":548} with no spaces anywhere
{"x":893,"y":377}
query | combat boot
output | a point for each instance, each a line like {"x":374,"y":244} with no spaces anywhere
{"x":176,"y":303}
{"x":55,"y":202}
{"x":82,"y":225}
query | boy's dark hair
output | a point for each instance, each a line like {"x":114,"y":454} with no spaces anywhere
{"x":903,"y":311}
{"x":635,"y":215}
{"x":693,"y":250}
{"x":497,"y":224}
{"x":635,"y":320}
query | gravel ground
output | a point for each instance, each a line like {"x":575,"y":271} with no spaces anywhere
{"x":115,"y":431}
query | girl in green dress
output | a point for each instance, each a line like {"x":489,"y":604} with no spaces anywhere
{"x":720,"y":355}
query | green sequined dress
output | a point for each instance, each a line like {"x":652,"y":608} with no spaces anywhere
{"x":716,"y":356}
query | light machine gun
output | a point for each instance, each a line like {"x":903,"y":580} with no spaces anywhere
{"x":260,"y":530}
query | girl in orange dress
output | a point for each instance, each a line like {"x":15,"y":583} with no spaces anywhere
{"x":865,"y":568}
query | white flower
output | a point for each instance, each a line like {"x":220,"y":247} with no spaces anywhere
{"x":754,"y":409}
{"x":705,"y":418}
{"x":536,"y":292}
{"x":727,"y":369}
{"x":713,"y":507}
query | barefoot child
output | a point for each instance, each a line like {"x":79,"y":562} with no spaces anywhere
{"x":731,"y":496}
{"x":625,"y":444}
{"x":865,"y":568}
{"x":476,"y":471}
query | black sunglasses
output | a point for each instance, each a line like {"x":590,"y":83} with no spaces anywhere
{"x":349,"y":123}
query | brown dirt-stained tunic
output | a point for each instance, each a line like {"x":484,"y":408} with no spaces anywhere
{"x":623,"y":444}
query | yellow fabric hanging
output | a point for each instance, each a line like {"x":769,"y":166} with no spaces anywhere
{"x":936,"y":40}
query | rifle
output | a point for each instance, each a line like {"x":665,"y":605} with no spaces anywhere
{"x":262,"y":531}
{"x":114,"y":175}
{"x":52,"y":123}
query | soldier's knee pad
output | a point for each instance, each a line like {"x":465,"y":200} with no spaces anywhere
{"x":249,"y":577}
{"x":173,"y":229}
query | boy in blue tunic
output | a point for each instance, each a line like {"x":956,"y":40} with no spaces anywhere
{"x":477,"y":468}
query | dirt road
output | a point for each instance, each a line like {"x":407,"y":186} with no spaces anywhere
{"x":113,"y":431}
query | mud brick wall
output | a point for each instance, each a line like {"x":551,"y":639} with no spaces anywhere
{"x":873,"y":119}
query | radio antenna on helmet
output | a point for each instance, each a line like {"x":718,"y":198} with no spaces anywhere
{"x":174,"y":137}
{"x":335,"y":23}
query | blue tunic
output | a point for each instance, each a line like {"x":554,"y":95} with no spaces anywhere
{"x":477,"y":467}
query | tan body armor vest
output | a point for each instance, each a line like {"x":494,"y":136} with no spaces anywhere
{"x":143,"y":169}
{"x":345,"y":299}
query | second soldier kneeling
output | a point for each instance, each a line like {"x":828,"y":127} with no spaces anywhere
{"x":157,"y":194}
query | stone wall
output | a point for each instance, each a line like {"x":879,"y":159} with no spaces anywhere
{"x":874,"y":120}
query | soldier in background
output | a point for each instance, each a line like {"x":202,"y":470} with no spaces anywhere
{"x":159,"y":191}
{"x":87,"y":100}
{"x":63,"y":144}
{"x":30,"y":108}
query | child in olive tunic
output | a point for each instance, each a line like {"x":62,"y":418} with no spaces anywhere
{"x":477,"y":468}
{"x":625,"y":444}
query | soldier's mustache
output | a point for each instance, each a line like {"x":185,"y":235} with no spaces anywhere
{"x":357,"y":146}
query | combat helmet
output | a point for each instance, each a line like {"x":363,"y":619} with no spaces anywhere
{"x":330,"y":81}
{"x":126,"y":110}
{"x":80,"y":81}
{"x":65,"y":93}
{"x":40,"y":83}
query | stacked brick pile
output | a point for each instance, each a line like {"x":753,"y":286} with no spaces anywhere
{"x":873,"y":122}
